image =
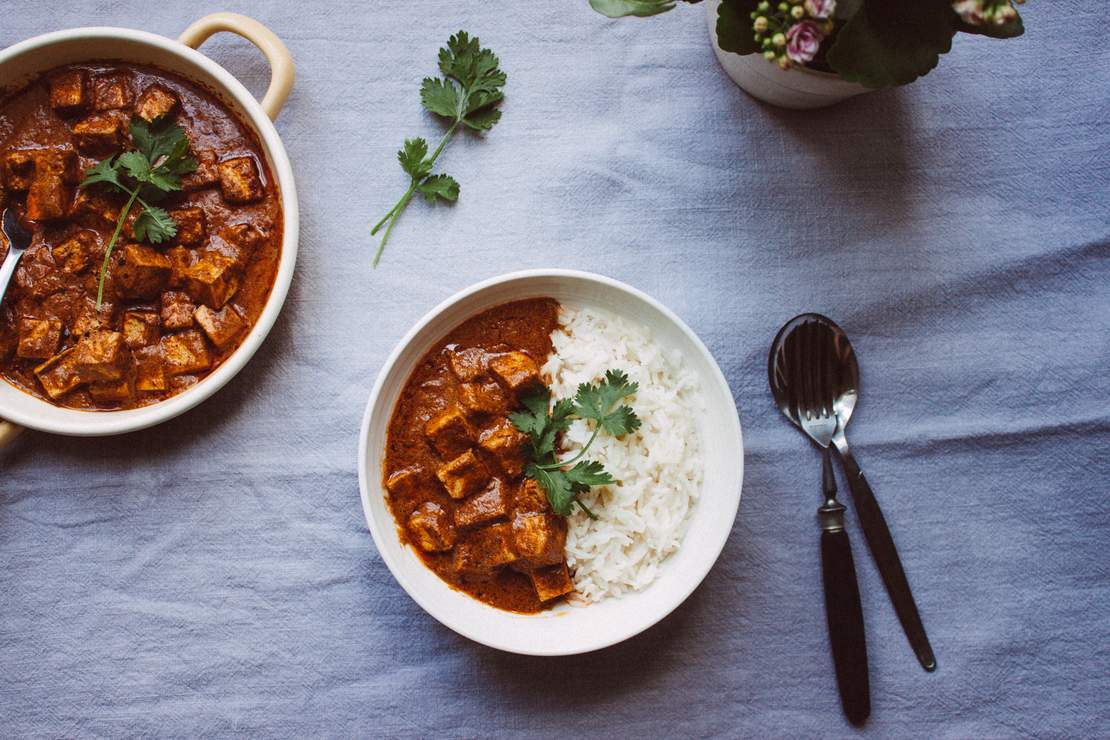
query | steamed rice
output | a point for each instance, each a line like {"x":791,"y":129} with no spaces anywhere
{"x":642,"y":520}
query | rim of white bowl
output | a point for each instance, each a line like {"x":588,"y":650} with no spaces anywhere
{"x":73,"y":422}
{"x":679,"y":596}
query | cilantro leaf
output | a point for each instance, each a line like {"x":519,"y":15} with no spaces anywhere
{"x":587,"y":473}
{"x":154,"y":225}
{"x":103,"y":171}
{"x":440,"y":97}
{"x":136,"y":165}
{"x":467,"y":95}
{"x":439,"y":186}
{"x":599,"y":403}
{"x":559,"y":492}
{"x":413,"y":158}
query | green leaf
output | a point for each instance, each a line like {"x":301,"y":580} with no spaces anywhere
{"x":136,"y":165}
{"x":482,"y":120}
{"x":154,"y":225}
{"x":638,"y":8}
{"x":106,"y":170}
{"x":440,"y":96}
{"x":599,"y":403}
{"x":734,"y":26}
{"x":558,"y":488}
{"x":413,"y":158}
{"x":439,"y":187}
{"x":588,"y":473}
{"x":893,"y":42}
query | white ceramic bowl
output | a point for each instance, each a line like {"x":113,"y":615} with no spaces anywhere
{"x":565,"y":629}
{"x":22,"y":62}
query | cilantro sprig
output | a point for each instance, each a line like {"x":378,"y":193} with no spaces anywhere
{"x":467,"y":95}
{"x":601,"y":403}
{"x":148,"y":173}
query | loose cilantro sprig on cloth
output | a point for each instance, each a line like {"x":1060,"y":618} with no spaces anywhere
{"x":601,"y":403}
{"x":154,"y":169}
{"x":467,"y":95}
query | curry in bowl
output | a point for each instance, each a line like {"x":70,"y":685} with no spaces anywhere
{"x":542,"y":453}
{"x":157,"y":231}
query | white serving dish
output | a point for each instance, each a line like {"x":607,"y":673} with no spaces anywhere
{"x":22,"y":62}
{"x":565,"y":629}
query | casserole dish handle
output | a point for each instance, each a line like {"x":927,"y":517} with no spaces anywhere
{"x":277,"y":54}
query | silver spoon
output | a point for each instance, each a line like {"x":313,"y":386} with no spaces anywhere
{"x":845,"y":382}
{"x":19,"y":239}
{"x":797,"y":370}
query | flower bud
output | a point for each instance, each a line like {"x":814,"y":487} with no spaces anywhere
{"x":798,"y":12}
{"x":760,"y":24}
{"x":769,"y":56}
{"x":784,"y":63}
{"x":778,"y":40}
{"x":764,"y":7}
{"x":783,"y":7}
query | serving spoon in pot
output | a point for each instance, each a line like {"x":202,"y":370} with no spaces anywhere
{"x":798,"y":372}
{"x":844,"y":381}
{"x":19,"y":239}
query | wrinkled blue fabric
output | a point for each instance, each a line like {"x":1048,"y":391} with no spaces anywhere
{"x":214,"y":575}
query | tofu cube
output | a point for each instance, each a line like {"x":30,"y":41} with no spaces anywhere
{"x":240,"y":242}
{"x":73,"y":255}
{"x":552,"y":582}
{"x":540,"y":539}
{"x":185,"y":353}
{"x":239,"y":180}
{"x":464,"y":475}
{"x":49,"y":197}
{"x":113,"y":392}
{"x":89,"y":319}
{"x":155,"y":102}
{"x":69,"y":91}
{"x":191,"y":228}
{"x":101,"y":356}
{"x":431,"y":527}
{"x":38,"y":338}
{"x":150,"y":374}
{"x":516,"y":370}
{"x":505,"y":443}
{"x":58,"y":375}
{"x":101,"y":134}
{"x":112,"y":91}
{"x":18,"y":169}
{"x":140,"y":328}
{"x":94,"y":208}
{"x":482,"y":399}
{"x":405,"y":482}
{"x":449,"y":432}
{"x":469,"y":364}
{"x":484,"y":550}
{"x":205,"y":175}
{"x":177,"y":310}
{"x":222,"y":326}
{"x":529,"y":497}
{"x":484,"y":507}
{"x":141,"y":272}
{"x":181,"y":260}
{"x":212,"y":279}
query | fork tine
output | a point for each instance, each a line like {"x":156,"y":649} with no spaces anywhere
{"x":823,"y":367}
{"x":808,"y":358}
{"x":792,"y":352}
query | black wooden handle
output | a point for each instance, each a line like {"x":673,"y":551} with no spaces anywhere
{"x":842,"y":607}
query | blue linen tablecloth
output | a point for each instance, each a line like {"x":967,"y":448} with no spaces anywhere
{"x":214,"y":576}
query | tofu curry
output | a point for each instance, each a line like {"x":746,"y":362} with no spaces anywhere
{"x":454,"y":463}
{"x":172,"y":312}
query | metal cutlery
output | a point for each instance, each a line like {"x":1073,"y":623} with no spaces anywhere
{"x":799,"y":373}
{"x":845,"y":382}
{"x":19,"y":239}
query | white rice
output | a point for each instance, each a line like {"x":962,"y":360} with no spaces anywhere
{"x":643,"y":519}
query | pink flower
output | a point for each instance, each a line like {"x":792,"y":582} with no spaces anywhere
{"x":970,"y":11}
{"x":820,"y":8}
{"x":802,"y":41}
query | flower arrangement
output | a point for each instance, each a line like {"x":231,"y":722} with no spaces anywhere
{"x":877,"y":43}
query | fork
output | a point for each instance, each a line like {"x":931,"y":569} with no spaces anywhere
{"x":809,"y":366}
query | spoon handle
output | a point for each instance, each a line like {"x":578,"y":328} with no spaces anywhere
{"x":842,"y":606}
{"x":7,"y":269}
{"x":881,"y":544}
